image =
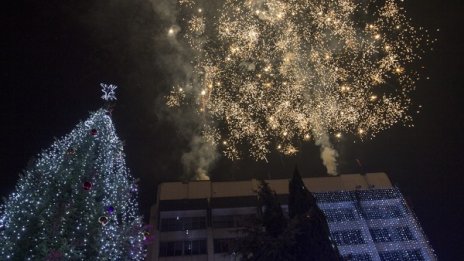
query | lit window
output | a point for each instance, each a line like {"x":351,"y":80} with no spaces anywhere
{"x":382,"y":212}
{"x":348,"y":237}
{"x":339,"y":214}
{"x":391,"y":234}
{"x":402,"y":255}
{"x":357,"y":257}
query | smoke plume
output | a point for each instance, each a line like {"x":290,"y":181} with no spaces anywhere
{"x":199,"y":159}
{"x":174,"y":57}
{"x":328,"y":153}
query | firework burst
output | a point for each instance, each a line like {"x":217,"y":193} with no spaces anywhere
{"x":271,"y":73}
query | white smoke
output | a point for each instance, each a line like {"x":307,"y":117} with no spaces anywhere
{"x":174,"y":57}
{"x":199,"y":159}
{"x":328,"y":153}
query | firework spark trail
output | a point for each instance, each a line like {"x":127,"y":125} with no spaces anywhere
{"x":269,"y":73}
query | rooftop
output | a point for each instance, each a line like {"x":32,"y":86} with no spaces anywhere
{"x":210,"y":189}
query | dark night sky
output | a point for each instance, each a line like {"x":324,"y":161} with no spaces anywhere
{"x":54,"y":54}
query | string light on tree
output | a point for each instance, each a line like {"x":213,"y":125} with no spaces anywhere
{"x":77,"y":201}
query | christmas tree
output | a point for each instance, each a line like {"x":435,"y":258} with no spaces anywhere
{"x":77,"y":201}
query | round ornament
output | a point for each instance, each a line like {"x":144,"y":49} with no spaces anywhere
{"x":71,"y":151}
{"x":87,"y":185}
{"x":93,"y":132}
{"x":146,"y":235}
{"x":103,"y":220}
{"x":110,"y":209}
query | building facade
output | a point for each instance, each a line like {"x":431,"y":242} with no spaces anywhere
{"x":367,"y":216}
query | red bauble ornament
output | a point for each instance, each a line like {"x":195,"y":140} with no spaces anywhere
{"x":54,"y":255}
{"x":103,"y":220}
{"x":146,"y":235}
{"x":87,"y":185}
{"x":93,"y":132}
{"x":71,"y":151}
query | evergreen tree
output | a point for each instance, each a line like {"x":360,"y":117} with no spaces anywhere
{"x":270,"y":211}
{"x":267,"y":238}
{"x":300,"y":199}
{"x":77,"y":201}
{"x":312,"y":241}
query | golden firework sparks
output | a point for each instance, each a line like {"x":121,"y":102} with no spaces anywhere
{"x":269,"y":73}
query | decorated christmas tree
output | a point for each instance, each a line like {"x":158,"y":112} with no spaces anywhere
{"x":77,"y":201}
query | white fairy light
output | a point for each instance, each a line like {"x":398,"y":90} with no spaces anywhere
{"x":50,"y":199}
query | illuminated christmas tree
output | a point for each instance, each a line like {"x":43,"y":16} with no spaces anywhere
{"x":77,"y":201}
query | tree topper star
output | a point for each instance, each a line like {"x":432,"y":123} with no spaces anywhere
{"x":108,"y":92}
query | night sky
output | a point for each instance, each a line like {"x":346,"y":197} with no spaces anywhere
{"x":55,"y":53}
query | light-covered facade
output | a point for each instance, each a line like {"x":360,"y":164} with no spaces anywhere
{"x":368,"y":218}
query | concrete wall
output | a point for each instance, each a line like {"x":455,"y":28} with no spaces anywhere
{"x":208,"y":189}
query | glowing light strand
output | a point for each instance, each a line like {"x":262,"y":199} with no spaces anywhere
{"x":50,"y":215}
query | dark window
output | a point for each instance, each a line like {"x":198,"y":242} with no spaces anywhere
{"x":357,"y":257}
{"x":192,"y":223}
{"x":223,"y":245}
{"x":195,"y":247}
{"x":382,"y":212}
{"x":171,"y":224}
{"x":182,"y":248}
{"x":347,"y":237}
{"x":339,"y":214}
{"x":402,"y":255}
{"x":391,"y":234}
{"x":171,"y":248}
{"x":182,"y":223}
{"x":232,"y":221}
{"x":223,"y":221}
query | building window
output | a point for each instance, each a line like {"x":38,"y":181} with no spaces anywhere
{"x":358,"y":257}
{"x":348,"y":237}
{"x":339,"y":214}
{"x":403,"y":234}
{"x":402,"y":255}
{"x":195,"y":247}
{"x":183,"y":248}
{"x":224,"y":245}
{"x":232,"y":221}
{"x":182,"y":223}
{"x":382,"y":212}
{"x":194,"y":223}
{"x":380,"y":235}
{"x":391,"y":234}
{"x":223,"y":221}
{"x":171,"y":248}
